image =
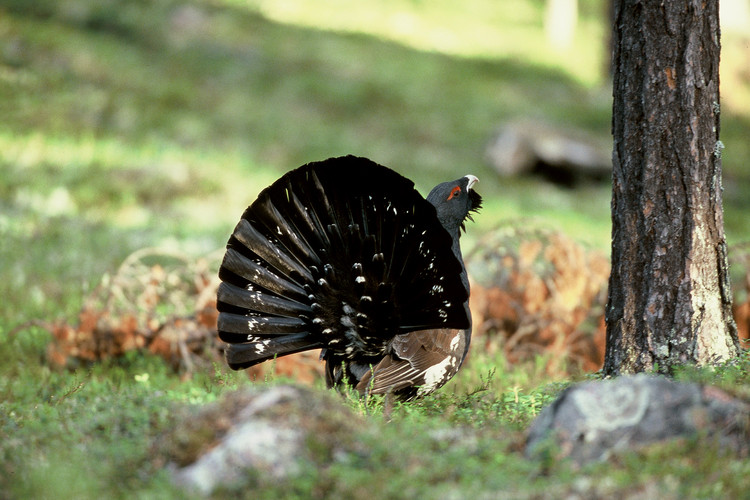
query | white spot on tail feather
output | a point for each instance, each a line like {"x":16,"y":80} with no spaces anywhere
{"x":260,"y":347}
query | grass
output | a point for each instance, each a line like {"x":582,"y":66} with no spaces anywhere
{"x":129,"y":124}
{"x":96,"y":429}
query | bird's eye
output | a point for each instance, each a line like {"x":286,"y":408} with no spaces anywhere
{"x":454,"y":192}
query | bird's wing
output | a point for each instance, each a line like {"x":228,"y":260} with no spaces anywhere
{"x":424,"y":359}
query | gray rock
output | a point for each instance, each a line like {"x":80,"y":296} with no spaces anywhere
{"x":258,"y":434}
{"x":593,"y":420}
{"x":565,"y":156}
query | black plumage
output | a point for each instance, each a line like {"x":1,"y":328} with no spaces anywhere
{"x":344,"y":255}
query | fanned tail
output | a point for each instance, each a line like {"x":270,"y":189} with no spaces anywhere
{"x":342,"y":254}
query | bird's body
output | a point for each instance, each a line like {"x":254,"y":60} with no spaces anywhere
{"x":344,"y":255}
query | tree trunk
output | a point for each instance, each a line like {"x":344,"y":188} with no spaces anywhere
{"x":669,"y":297}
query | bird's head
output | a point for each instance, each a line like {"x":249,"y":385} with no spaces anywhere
{"x":454,"y":202}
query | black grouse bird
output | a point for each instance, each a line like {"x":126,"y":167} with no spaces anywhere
{"x":344,"y":255}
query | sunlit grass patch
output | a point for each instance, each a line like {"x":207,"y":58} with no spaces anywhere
{"x":478,"y":28}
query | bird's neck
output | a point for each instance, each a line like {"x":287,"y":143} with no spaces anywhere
{"x":456,"y":247}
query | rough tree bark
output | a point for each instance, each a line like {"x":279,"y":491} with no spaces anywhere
{"x":669,"y":296}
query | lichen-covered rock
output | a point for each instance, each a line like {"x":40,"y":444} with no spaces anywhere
{"x":592,"y":420}
{"x":258,"y":434}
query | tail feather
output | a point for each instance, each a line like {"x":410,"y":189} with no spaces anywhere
{"x":341,"y":254}
{"x":269,"y":249}
{"x":286,"y":233}
{"x":255,"y":273}
{"x":241,"y":356}
{"x":315,"y":203}
{"x":232,"y":295}
{"x":241,"y":328}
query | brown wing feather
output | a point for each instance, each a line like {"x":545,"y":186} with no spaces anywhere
{"x":425,"y":358}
